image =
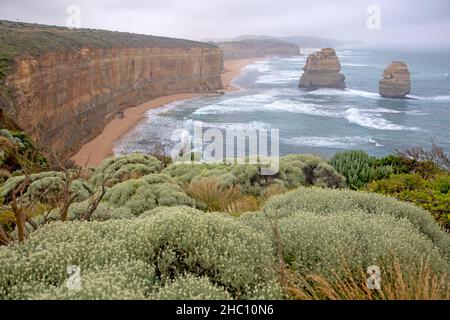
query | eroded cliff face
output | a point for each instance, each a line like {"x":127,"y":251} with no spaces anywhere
{"x":322,"y":70}
{"x":64,"y":99}
{"x":396,"y":82}
{"x":258,"y":49}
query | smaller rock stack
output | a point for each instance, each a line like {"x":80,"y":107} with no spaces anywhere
{"x":396,"y":83}
{"x":322,"y":70}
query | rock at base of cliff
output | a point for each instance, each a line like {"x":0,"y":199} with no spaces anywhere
{"x":396,"y":82}
{"x":322,"y":70}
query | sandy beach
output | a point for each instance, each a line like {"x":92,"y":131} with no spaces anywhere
{"x":95,"y":151}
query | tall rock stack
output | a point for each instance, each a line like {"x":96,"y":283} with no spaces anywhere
{"x":322,"y":70}
{"x":396,"y":83}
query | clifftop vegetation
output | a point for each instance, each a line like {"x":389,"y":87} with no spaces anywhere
{"x":142,"y":228}
{"x":26,"y":39}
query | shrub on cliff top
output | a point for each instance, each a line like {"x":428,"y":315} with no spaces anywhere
{"x":76,"y":212}
{"x":142,"y":254}
{"x":295,"y":171}
{"x":323,"y":202}
{"x":432,"y":194}
{"x":119,"y":169}
{"x":327,"y":244}
{"x":359,"y":168}
{"x":46,"y":187}
{"x":308,"y":170}
{"x":146,"y":193}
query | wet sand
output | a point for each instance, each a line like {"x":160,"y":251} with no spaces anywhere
{"x":100,"y":148}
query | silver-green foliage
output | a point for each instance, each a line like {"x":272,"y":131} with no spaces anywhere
{"x":191,"y":287}
{"x":308,"y":170}
{"x":324,"y":202}
{"x":295,"y":171}
{"x":146,"y":193}
{"x":118,"y":169}
{"x":46,"y":187}
{"x":78,"y":210}
{"x":327,"y":244}
{"x":136,"y":258}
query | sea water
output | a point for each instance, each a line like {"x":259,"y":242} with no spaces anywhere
{"x":324,"y":121}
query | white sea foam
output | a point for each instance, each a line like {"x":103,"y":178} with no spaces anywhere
{"x":372,"y":121}
{"x":355,"y":65}
{"x":254,"y":125}
{"x":279,"y":77}
{"x":434,"y":98}
{"x":346,"y":92}
{"x":332,"y":142}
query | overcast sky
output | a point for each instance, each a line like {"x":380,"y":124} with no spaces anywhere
{"x":403,"y":22}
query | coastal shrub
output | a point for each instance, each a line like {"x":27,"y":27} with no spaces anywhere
{"x":103,"y":212}
{"x":307,"y":170}
{"x":432,"y":193}
{"x":326,"y":244}
{"x":16,"y":150}
{"x":401,"y":164}
{"x":146,"y":193}
{"x":359,"y":168}
{"x":121,"y":168}
{"x":295,"y":171}
{"x":190,"y":287}
{"x":158,"y":249}
{"x":46,"y":187}
{"x":324,"y":202}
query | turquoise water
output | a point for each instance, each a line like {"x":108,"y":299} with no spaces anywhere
{"x":324,"y":121}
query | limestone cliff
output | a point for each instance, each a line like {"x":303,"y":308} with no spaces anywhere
{"x":63,"y":86}
{"x":322,"y":70}
{"x":396,"y":82}
{"x":257,"y":49}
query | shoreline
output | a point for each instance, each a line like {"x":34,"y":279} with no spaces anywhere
{"x":102,"y":146}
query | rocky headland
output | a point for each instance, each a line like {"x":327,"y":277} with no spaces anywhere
{"x":322,"y":70}
{"x":246,"y":49}
{"x":63,"y":86}
{"x":396,"y":82}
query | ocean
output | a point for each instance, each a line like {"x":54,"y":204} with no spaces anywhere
{"x":325,"y":121}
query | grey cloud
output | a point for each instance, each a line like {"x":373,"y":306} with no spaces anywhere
{"x":403,"y":21}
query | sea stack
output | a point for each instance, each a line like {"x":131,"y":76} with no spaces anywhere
{"x":322,"y":70}
{"x":396,"y":83}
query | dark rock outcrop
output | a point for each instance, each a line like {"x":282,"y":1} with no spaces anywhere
{"x":322,"y":70}
{"x":396,"y":82}
{"x":257,"y":49}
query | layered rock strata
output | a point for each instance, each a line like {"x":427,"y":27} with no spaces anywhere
{"x":64,"y":97}
{"x":322,"y":70}
{"x":396,"y":82}
{"x":257,"y":49}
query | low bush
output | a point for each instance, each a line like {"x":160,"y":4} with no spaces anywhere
{"x":190,"y":287}
{"x":146,"y":193}
{"x":359,"y":168}
{"x":46,"y":187}
{"x":323,"y":202}
{"x":308,"y":170}
{"x":78,"y":210}
{"x":432,"y":194}
{"x":295,"y":171}
{"x":122,"y":168}
{"x":143,"y":255}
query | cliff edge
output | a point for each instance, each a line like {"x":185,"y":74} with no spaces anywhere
{"x":257,"y":49}
{"x":63,"y":86}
